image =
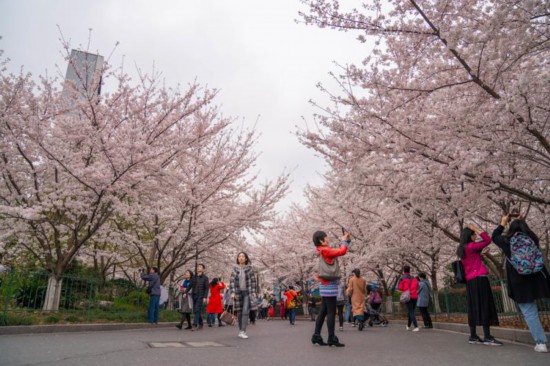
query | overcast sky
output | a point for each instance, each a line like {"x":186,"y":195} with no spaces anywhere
{"x":265,"y":65}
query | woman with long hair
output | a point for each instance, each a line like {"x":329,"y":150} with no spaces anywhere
{"x":481,"y":304}
{"x":243,"y":285}
{"x":328,"y":289}
{"x":185,"y":301}
{"x":534,"y":284}
{"x":215,"y":306}
{"x":357,"y":290}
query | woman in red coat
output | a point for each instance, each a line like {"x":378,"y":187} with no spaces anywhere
{"x":215,"y":305}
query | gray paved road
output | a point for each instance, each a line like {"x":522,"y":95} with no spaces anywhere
{"x":270,"y":343}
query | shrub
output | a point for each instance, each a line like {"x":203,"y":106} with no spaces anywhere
{"x":6,"y":320}
{"x":31,"y":291}
{"x":52,"y":319}
{"x":72,"y":319}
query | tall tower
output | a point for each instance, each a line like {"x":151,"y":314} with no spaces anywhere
{"x":83,"y":76}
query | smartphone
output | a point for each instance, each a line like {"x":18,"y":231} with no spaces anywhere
{"x":514,"y":213}
{"x":344,"y":230}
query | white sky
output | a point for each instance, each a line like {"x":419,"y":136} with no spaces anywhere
{"x":264,"y":63}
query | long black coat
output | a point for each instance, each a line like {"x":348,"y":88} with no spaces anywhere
{"x":522,"y":288}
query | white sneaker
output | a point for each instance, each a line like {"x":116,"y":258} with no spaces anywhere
{"x":407,"y":328}
{"x":416,"y":329}
{"x":243,"y":335}
{"x":541,"y":347}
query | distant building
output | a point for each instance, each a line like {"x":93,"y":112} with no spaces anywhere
{"x":83,"y":76}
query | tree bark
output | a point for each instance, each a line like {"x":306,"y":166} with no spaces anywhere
{"x":53,"y":294}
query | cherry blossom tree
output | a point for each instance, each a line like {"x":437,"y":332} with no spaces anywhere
{"x":73,"y":164}
{"x":445,"y":120}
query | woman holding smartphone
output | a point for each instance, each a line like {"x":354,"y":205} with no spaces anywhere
{"x":328,"y":289}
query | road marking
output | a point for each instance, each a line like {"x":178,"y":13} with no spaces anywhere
{"x":166,"y":345}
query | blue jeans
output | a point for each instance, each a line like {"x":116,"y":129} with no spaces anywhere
{"x":348,"y":313}
{"x":197,"y":309}
{"x":531,"y":314}
{"x":292,"y":315}
{"x":153,"y":310}
{"x":245,"y":312}
{"x":211,"y":318}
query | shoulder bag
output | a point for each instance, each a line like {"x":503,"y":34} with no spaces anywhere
{"x":329,"y":272}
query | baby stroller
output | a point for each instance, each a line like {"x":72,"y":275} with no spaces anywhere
{"x":373,"y":317}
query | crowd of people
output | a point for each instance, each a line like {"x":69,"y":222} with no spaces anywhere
{"x":354,"y":298}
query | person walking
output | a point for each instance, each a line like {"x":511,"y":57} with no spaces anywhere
{"x":340,"y":303}
{"x":265,"y":307}
{"x":534,"y":284}
{"x":481,"y":304}
{"x":199,"y":292}
{"x":227,"y":301}
{"x":357,"y":290}
{"x":185,"y":301}
{"x":291,"y":304}
{"x":328,"y":288}
{"x":424,"y":299}
{"x":243,"y":286}
{"x":215,"y":306}
{"x":311,"y":306}
{"x":153,"y":289}
{"x":282,"y":306}
{"x":408,"y":283}
{"x":347,"y":314}
{"x":273,"y":305}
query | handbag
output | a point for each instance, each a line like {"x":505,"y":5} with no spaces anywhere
{"x":406,"y":295}
{"x":329,"y":272}
{"x":228,"y":318}
{"x":458,"y":270}
{"x":148,"y":290}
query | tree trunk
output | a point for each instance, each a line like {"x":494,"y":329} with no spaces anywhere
{"x":53,"y":294}
{"x":171,"y":291}
{"x":435,"y":292}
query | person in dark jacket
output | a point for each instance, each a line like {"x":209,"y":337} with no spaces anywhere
{"x":424,"y":299}
{"x":153,"y":288}
{"x":525,"y":289}
{"x":199,"y":287}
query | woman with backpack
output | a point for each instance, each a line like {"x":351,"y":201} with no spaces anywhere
{"x":479,"y":297}
{"x":527,"y":279}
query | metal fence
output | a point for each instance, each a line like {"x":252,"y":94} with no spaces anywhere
{"x":82,"y":299}
{"x":453,"y":306}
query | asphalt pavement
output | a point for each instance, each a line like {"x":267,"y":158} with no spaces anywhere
{"x":273,"y":342}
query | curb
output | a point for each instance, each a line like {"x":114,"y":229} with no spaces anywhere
{"x":509,"y":334}
{"x":62,"y":328}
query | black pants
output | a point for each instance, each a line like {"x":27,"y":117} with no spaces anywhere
{"x":425,"y":316}
{"x":340,"y":309}
{"x":411,"y":306}
{"x":328,"y":310}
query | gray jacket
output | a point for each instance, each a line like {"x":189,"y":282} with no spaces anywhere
{"x":154,"y":282}
{"x":423,"y":294}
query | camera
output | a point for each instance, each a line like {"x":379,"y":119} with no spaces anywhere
{"x":514,"y":213}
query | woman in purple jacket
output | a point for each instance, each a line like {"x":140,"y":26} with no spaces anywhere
{"x":481,"y":305}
